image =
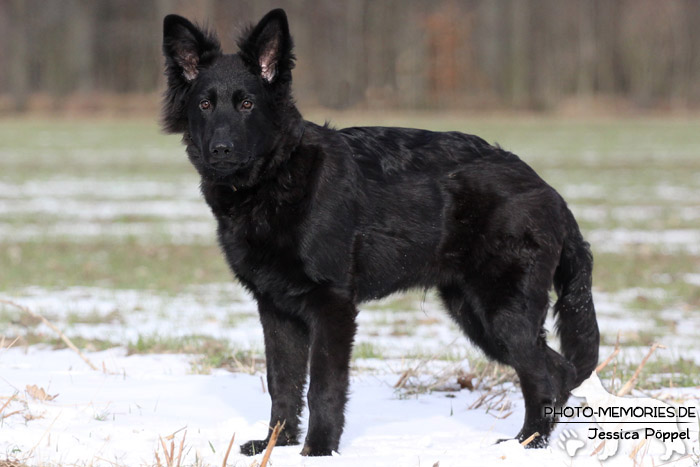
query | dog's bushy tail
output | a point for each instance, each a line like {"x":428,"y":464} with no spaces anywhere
{"x":574,"y":311}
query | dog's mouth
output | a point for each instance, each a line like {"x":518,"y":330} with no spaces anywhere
{"x":225,"y":165}
{"x":229,"y":166}
{"x":234,"y":172}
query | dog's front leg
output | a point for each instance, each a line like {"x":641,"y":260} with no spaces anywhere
{"x":332,"y":332}
{"x":286,"y":354}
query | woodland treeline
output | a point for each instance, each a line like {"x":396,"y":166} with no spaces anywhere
{"x":401,"y":54}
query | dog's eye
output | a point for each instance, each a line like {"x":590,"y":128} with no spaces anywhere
{"x":205,"y":104}
{"x":246,"y":105}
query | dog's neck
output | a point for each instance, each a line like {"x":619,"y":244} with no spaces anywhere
{"x":283,"y":181}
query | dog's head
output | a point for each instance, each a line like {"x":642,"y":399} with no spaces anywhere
{"x":236,"y":111}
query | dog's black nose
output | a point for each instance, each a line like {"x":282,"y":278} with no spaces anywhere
{"x":220,"y":149}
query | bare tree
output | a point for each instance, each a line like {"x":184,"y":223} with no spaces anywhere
{"x":377,"y":53}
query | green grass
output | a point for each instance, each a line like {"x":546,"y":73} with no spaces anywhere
{"x":366,"y":350}
{"x":103,"y":415}
{"x":55,"y":342}
{"x":211,"y":353}
{"x":187,"y":344}
{"x":35,"y":149}
{"x":648,"y":269}
{"x":15,"y":316}
{"x":94,"y":318}
{"x":669,"y":217}
{"x":642,"y":338}
{"x":120,"y":265}
{"x":657,"y":373}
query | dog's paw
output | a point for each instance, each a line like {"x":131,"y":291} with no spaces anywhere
{"x":503,"y":440}
{"x":538,"y":442}
{"x":315,"y":452}
{"x":253,"y":447}
{"x":569,"y":442}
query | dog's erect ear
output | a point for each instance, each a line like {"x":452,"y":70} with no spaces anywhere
{"x":267,"y":48}
{"x":186,"y":48}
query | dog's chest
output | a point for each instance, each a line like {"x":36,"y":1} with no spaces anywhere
{"x":260,"y":245}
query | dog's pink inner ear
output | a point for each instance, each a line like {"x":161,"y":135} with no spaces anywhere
{"x":188,"y":60}
{"x":268,"y":60}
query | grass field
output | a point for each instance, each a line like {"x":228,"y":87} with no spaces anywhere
{"x":92,"y":212}
{"x":104,"y":233}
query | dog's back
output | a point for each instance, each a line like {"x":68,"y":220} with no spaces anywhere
{"x":412,"y":186}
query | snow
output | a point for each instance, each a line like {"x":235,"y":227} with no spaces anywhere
{"x":637,"y":213}
{"x":692,"y":279}
{"x":117,"y":415}
{"x":630,"y":193}
{"x":76,"y":209}
{"x":615,"y":240}
{"x":111,"y":189}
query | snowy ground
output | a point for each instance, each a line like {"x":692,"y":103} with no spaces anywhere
{"x":117,"y":416}
{"x":94,"y":236}
{"x":98,"y":418}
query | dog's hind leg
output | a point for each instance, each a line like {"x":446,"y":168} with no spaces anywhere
{"x":332,"y":319}
{"x":461,"y":306}
{"x":509,"y":329}
{"x":286,"y":354}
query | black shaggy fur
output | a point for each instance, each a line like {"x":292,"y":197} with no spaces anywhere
{"x":314,"y":220}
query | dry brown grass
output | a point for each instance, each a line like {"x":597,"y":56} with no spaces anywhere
{"x":12,"y":463}
{"x":271,"y":444}
{"x":530,"y":439}
{"x":63,"y":337}
{"x":8,"y":410}
{"x":496,"y":402}
{"x":228,"y":450}
{"x":4,"y":406}
{"x":629,"y":385}
{"x":169,"y":453}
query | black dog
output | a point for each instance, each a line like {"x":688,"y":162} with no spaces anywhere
{"x":314,"y":220}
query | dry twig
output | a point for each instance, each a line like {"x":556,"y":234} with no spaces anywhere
{"x":228,"y":451}
{"x":2,"y":344}
{"x":598,"y":449}
{"x":48,"y":430}
{"x":488,"y":397}
{"x":63,"y":337}
{"x":168,"y":460}
{"x":635,"y":451}
{"x":629,"y":385}
{"x":182,"y":445}
{"x":4,"y":406}
{"x":530,"y":438}
{"x":271,"y":444}
{"x":404,"y":378}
